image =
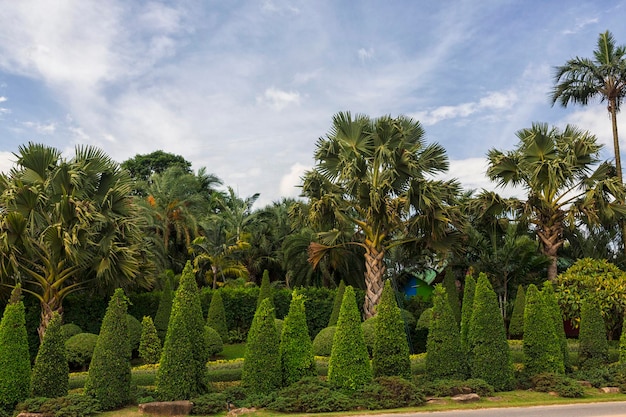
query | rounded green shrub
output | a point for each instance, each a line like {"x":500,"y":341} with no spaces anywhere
{"x":323,"y":342}
{"x":516,"y":325}
{"x":79,"y":349}
{"x":593,"y":348}
{"x":70,"y":329}
{"x":261,"y":372}
{"x":216,"y":317}
{"x":349,"y":366}
{"x":213,"y":341}
{"x":109,"y":375}
{"x":295,"y":351}
{"x":162,"y":317}
{"x":424,"y":321}
{"x":134,"y":332}
{"x":445,"y":358}
{"x":334,"y":315}
{"x":150,"y":344}
{"x":389,"y":392}
{"x":310,"y":395}
{"x":50,"y":376}
{"x":390,"y":355}
{"x":466,"y":309}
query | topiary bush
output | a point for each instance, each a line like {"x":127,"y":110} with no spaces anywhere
{"x":593,"y":348}
{"x":516,"y":325}
{"x":213,"y":341}
{"x":162,"y":316}
{"x":295,"y":350}
{"x":449,"y":283}
{"x":334,"y":315}
{"x":349,"y":366}
{"x":14,"y":356}
{"x":489,"y":355}
{"x":50,"y":376}
{"x":261,"y":372}
{"x":323,"y":342}
{"x":557,"y":319}
{"x":369,"y":334}
{"x":150,"y":344}
{"x":109,"y":371}
{"x":70,"y":329}
{"x":134,"y":332}
{"x":622,"y":343}
{"x":466,"y":309}
{"x":445,"y":358}
{"x":390,"y":355}
{"x":266,"y":290}
{"x":216,"y":317}
{"x":79,"y":349}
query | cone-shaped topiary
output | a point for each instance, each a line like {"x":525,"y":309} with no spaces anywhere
{"x":266,"y":289}
{"x":349,"y":366}
{"x":296,"y":355}
{"x":551,"y":301}
{"x":212,"y":341}
{"x":516,"y":325}
{"x":150,"y":344}
{"x":261,"y":372}
{"x":489,"y":354}
{"x":134,"y":332}
{"x":50,"y":377}
{"x":390,"y":355}
{"x":541,"y":346}
{"x":334,"y":315}
{"x":162,"y":316}
{"x":182,"y":370}
{"x":467,"y":308}
{"x":445,"y":358}
{"x":216,"y":317}
{"x":593,"y":348}
{"x":449,"y":282}
{"x":14,"y":357}
{"x":622,"y":343}
{"x":109,"y":375}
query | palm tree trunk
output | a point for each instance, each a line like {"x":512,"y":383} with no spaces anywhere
{"x":374,"y":271}
{"x":53,"y":305}
{"x":618,"y":159}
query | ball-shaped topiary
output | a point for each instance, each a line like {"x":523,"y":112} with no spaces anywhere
{"x":295,"y":351}
{"x":216,"y":317}
{"x":79,"y":349}
{"x":150,"y":344}
{"x":593,"y":348}
{"x":14,"y":356}
{"x":516,"y":325}
{"x":349,"y":366}
{"x":334,"y":315}
{"x":70,"y":329}
{"x":489,"y":354}
{"x":213,"y":341}
{"x":541,"y":345}
{"x":466,"y":309}
{"x":323,"y":342}
{"x":391,"y":350}
{"x":445,"y":358}
{"x":109,"y":375}
{"x":552,"y":303}
{"x":162,"y":316}
{"x":261,"y":373}
{"x":50,"y":377}
{"x":134,"y":332}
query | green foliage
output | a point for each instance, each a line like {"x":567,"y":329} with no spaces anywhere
{"x":593,"y":349}
{"x":265,"y":290}
{"x":310,"y":395}
{"x":390,"y":356}
{"x":162,"y":317}
{"x":559,"y":383}
{"x":323,"y":342}
{"x":213,"y":341}
{"x":467,"y":308}
{"x":213,"y":403}
{"x":79,"y":349}
{"x":424,"y":321}
{"x":71,"y":405}
{"x":516,"y":325}
{"x":261,"y":371}
{"x":369,"y":334}
{"x":452,"y":387}
{"x":279,"y":326}
{"x":295,"y":352}
{"x":449,"y":283}
{"x":150,"y":344}
{"x":489,"y":355}
{"x":14,"y":356}
{"x":216,"y":317}
{"x":445,"y":358}
{"x":182,"y":369}
{"x":542,"y":347}
{"x":134,"y":332}
{"x":389,"y":392}
{"x":557,"y":319}
{"x":109,"y":371}
{"x":70,"y":329}
{"x":349,"y":366}
{"x":334,"y":316}
{"x":50,"y":376}
{"x":597,"y":278}
{"x":622,"y":343}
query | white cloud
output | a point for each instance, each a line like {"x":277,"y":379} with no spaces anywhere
{"x":279,"y":99}
{"x":289,"y":182}
{"x":44,"y":129}
{"x":365,"y":54}
{"x":7,"y":161}
{"x":472,"y":174}
{"x":579,"y":25}
{"x":3,"y":99}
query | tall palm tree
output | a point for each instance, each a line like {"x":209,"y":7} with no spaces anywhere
{"x":582,"y":79}
{"x":556,"y":168}
{"x":374,"y":175}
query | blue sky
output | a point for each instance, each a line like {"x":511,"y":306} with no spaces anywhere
{"x":245,"y":88}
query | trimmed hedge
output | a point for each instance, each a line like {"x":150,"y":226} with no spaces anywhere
{"x":295,"y":352}
{"x":323,"y":342}
{"x":150,"y":344}
{"x":449,"y":283}
{"x":213,"y":341}
{"x":334,"y":316}
{"x":593,"y":348}
{"x":162,"y":315}
{"x":79,"y":349}
{"x":50,"y":376}
{"x":516,"y":325}
{"x":466,"y":310}
{"x":266,"y":290}
{"x":70,"y":329}
{"x":552,"y":303}
{"x":134,"y":332}
{"x":216,"y":317}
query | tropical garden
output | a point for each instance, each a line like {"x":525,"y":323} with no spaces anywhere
{"x":382,"y":286}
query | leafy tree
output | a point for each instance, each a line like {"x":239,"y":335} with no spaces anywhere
{"x":334,"y":315}
{"x":296,"y":350}
{"x":182,"y":370}
{"x":622,"y":343}
{"x":109,"y":375}
{"x":216,"y":317}
{"x":349,"y":365}
{"x":374,"y":174}
{"x":516,"y":325}
{"x":162,"y":316}
{"x":449,"y":282}
{"x":50,"y":376}
{"x":266,"y":290}
{"x":445,"y":358}
{"x":69,"y":224}
{"x":556,"y":168}
{"x":593,"y":348}
{"x":142,"y":167}
{"x":14,"y":357}
{"x":261,"y":372}
{"x":467,"y":309}
{"x":150,"y":344}
{"x":489,"y":355}
{"x":549,"y":298}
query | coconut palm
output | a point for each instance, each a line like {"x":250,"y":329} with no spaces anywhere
{"x":374,"y":175}
{"x":556,"y":169}
{"x":604,"y":76}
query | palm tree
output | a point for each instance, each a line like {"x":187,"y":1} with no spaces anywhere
{"x":556,"y":170}
{"x":373,"y":175}
{"x":69,"y":224}
{"x":582,"y":79}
